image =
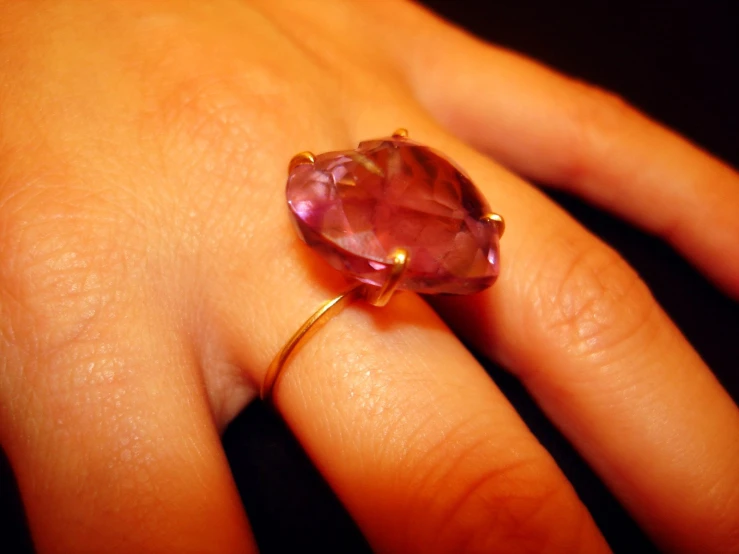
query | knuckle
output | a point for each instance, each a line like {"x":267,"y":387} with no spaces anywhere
{"x":492,"y":507}
{"x":589,"y":300}
{"x":216,"y":110}
{"x":505,"y":496}
{"x":596,"y":116}
{"x":210,"y":97}
{"x":223,"y":121}
{"x":56,"y":270}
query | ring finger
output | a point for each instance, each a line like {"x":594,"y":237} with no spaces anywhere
{"x":416,"y":440}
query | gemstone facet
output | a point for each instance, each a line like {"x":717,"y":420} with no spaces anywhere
{"x":357,"y":207}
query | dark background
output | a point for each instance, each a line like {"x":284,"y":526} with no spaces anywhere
{"x":676,"y":60}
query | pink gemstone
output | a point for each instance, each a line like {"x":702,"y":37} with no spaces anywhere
{"x":356,"y":207}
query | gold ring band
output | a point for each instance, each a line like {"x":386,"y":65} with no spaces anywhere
{"x":321,"y":316}
{"x":376,"y":297}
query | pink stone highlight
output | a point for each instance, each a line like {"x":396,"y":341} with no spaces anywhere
{"x":356,"y":207}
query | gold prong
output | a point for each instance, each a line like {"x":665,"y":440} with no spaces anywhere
{"x":400,"y":133}
{"x":497,"y":219}
{"x":400,"y":261}
{"x":302,"y":158}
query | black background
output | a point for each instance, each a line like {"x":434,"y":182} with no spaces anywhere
{"x":679,"y":62}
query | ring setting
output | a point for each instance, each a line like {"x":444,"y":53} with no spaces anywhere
{"x":391,"y":215}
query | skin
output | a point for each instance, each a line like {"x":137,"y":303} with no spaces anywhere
{"x":149,"y":274}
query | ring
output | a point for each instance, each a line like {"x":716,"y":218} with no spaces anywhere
{"x":391,"y":215}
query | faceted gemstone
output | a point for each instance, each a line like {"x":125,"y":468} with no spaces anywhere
{"x":356,"y":207}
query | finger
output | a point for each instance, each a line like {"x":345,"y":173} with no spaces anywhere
{"x":107,"y":426}
{"x":571,"y":135}
{"x":419,"y":445}
{"x":413,"y":437}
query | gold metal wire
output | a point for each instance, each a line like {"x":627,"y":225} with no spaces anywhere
{"x":376,"y":297}
{"x":321,"y":316}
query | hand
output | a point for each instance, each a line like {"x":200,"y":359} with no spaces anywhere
{"x":149,"y":274}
